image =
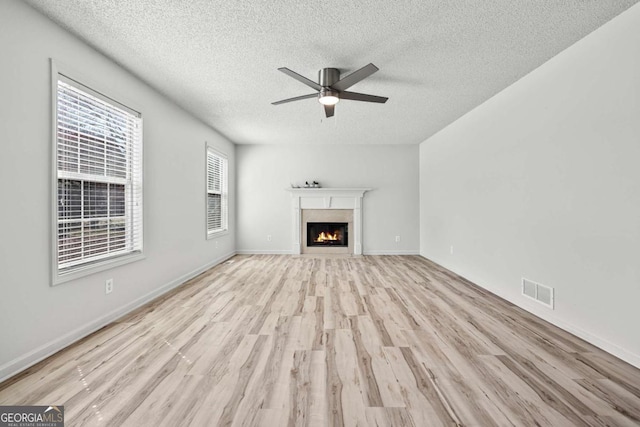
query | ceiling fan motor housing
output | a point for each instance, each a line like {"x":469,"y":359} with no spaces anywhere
{"x":328,"y":76}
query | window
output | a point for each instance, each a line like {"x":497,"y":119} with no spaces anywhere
{"x":217,"y":193}
{"x":98,"y":158}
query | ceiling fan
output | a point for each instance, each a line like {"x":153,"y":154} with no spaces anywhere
{"x":331,"y":88}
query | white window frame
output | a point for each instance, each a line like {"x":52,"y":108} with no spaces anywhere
{"x":99,"y":263}
{"x":224,"y":193}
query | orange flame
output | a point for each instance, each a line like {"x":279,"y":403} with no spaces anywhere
{"x":324,"y":237}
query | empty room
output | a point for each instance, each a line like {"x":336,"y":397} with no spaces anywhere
{"x":414,"y":213}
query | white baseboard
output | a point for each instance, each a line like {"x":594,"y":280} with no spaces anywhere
{"x":263,"y":252}
{"x":609,"y":347}
{"x":393,"y":252}
{"x":288,"y":252}
{"x":597,"y":341}
{"x":29,"y":359}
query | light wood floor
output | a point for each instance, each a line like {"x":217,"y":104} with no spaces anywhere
{"x":368,"y":341}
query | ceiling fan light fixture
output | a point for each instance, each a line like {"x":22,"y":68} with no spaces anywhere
{"x":328,"y":100}
{"x":328,"y":97}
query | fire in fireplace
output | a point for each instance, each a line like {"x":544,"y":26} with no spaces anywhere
{"x":328,"y":234}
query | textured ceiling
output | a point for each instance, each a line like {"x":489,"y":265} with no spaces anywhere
{"x":438,"y":59}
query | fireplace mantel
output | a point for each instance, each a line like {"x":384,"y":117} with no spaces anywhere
{"x":321,"y":190}
{"x":327,"y":198}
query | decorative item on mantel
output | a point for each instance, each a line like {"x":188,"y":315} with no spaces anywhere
{"x":314,"y":184}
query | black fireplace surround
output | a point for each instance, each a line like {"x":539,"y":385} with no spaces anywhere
{"x":328,"y":234}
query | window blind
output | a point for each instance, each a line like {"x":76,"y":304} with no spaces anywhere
{"x":217,"y":192}
{"x":99,"y":172}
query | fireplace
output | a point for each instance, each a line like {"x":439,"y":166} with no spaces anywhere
{"x":327,"y":205}
{"x":337,"y":226}
{"x":328,"y":234}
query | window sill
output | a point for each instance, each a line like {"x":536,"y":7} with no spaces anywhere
{"x":95,"y":268}
{"x":216,"y":234}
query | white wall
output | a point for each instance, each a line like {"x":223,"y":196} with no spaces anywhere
{"x":543,"y":181}
{"x":264,"y":207}
{"x":35,"y":318}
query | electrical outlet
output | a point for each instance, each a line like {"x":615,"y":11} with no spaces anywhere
{"x":451,"y":249}
{"x":216,"y":244}
{"x":397,"y":239}
{"x":268,"y":237}
{"x":108,"y":286}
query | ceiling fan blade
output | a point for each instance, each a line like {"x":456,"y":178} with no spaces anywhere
{"x":300,"y":78}
{"x":355,"y":77}
{"x":354,"y":96}
{"x":328,"y":110}
{"x":297,"y":98}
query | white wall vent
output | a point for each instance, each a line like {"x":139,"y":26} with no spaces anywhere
{"x":541,"y":293}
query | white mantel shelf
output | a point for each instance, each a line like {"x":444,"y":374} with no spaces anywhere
{"x":327,"y":198}
{"x":343,"y":192}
